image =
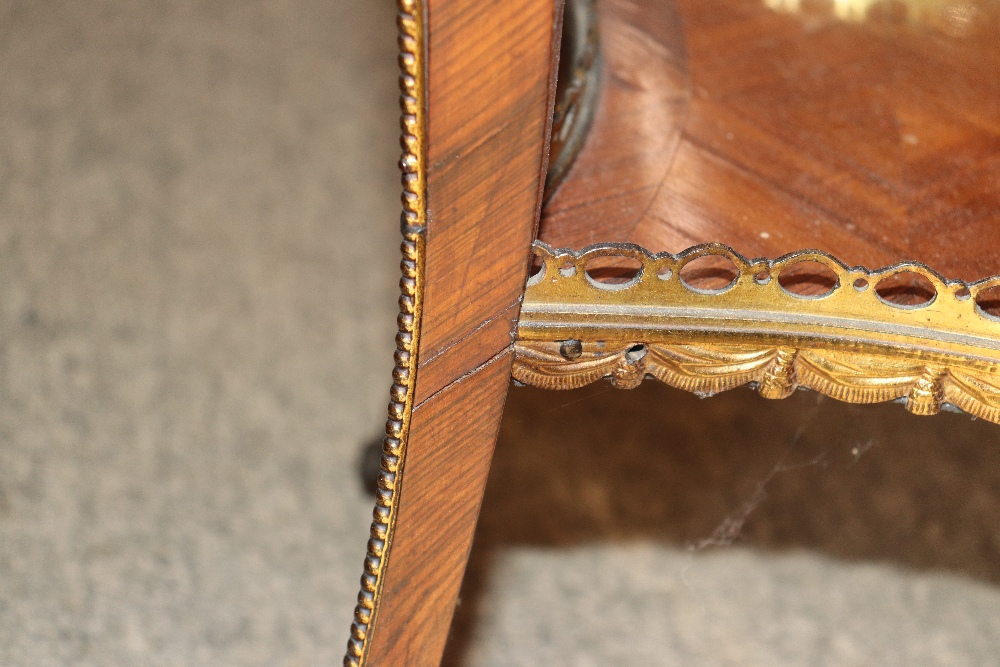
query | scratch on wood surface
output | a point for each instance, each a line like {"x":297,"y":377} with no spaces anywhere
{"x":437,"y":353}
{"x":505,"y":352}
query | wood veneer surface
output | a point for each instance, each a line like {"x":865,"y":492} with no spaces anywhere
{"x":488,"y":112}
{"x":725,"y":120}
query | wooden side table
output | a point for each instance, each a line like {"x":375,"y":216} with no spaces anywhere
{"x":722,"y":173}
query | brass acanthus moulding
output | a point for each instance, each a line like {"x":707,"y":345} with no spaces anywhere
{"x":413,"y":166}
{"x":850,"y":343}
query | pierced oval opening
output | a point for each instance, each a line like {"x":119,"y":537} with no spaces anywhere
{"x":536,"y":270}
{"x":709,"y":274}
{"x":988,"y":302}
{"x":613,"y":272}
{"x":808,"y":279}
{"x":861,"y":284}
{"x":664,"y":273}
{"x":567,"y":270}
{"x":906,"y":289}
{"x":762,"y":277}
{"x":963,"y":293}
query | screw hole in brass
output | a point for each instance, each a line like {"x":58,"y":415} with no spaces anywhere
{"x":635,"y":353}
{"x":571,"y":349}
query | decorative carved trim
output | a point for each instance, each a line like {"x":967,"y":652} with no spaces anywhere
{"x":413,"y":167}
{"x":776,"y":372}
{"x":850,"y":344}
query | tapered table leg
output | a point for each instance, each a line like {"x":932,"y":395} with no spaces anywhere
{"x":478,"y":84}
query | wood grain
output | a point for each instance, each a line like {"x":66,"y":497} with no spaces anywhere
{"x":488,"y":108}
{"x":477,"y":348}
{"x":450,"y":449}
{"x":877,"y":141}
{"x":636,"y":128}
{"x":488,"y":95}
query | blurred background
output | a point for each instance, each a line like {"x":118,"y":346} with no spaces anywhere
{"x":199,"y":276}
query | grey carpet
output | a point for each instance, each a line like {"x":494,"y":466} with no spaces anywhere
{"x":198,"y":206}
{"x":198,"y":300}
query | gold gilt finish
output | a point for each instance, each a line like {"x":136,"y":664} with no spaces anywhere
{"x":849,"y":344}
{"x":413,"y":166}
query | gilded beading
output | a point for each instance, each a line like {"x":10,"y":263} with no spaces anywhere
{"x":850,"y":343}
{"x":413,"y":168}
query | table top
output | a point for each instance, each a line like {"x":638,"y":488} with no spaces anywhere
{"x":869,"y":130}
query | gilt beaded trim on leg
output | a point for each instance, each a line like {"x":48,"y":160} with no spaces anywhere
{"x":412,"y":165}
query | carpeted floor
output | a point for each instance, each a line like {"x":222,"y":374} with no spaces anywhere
{"x":651,"y":527}
{"x":198,"y":217}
